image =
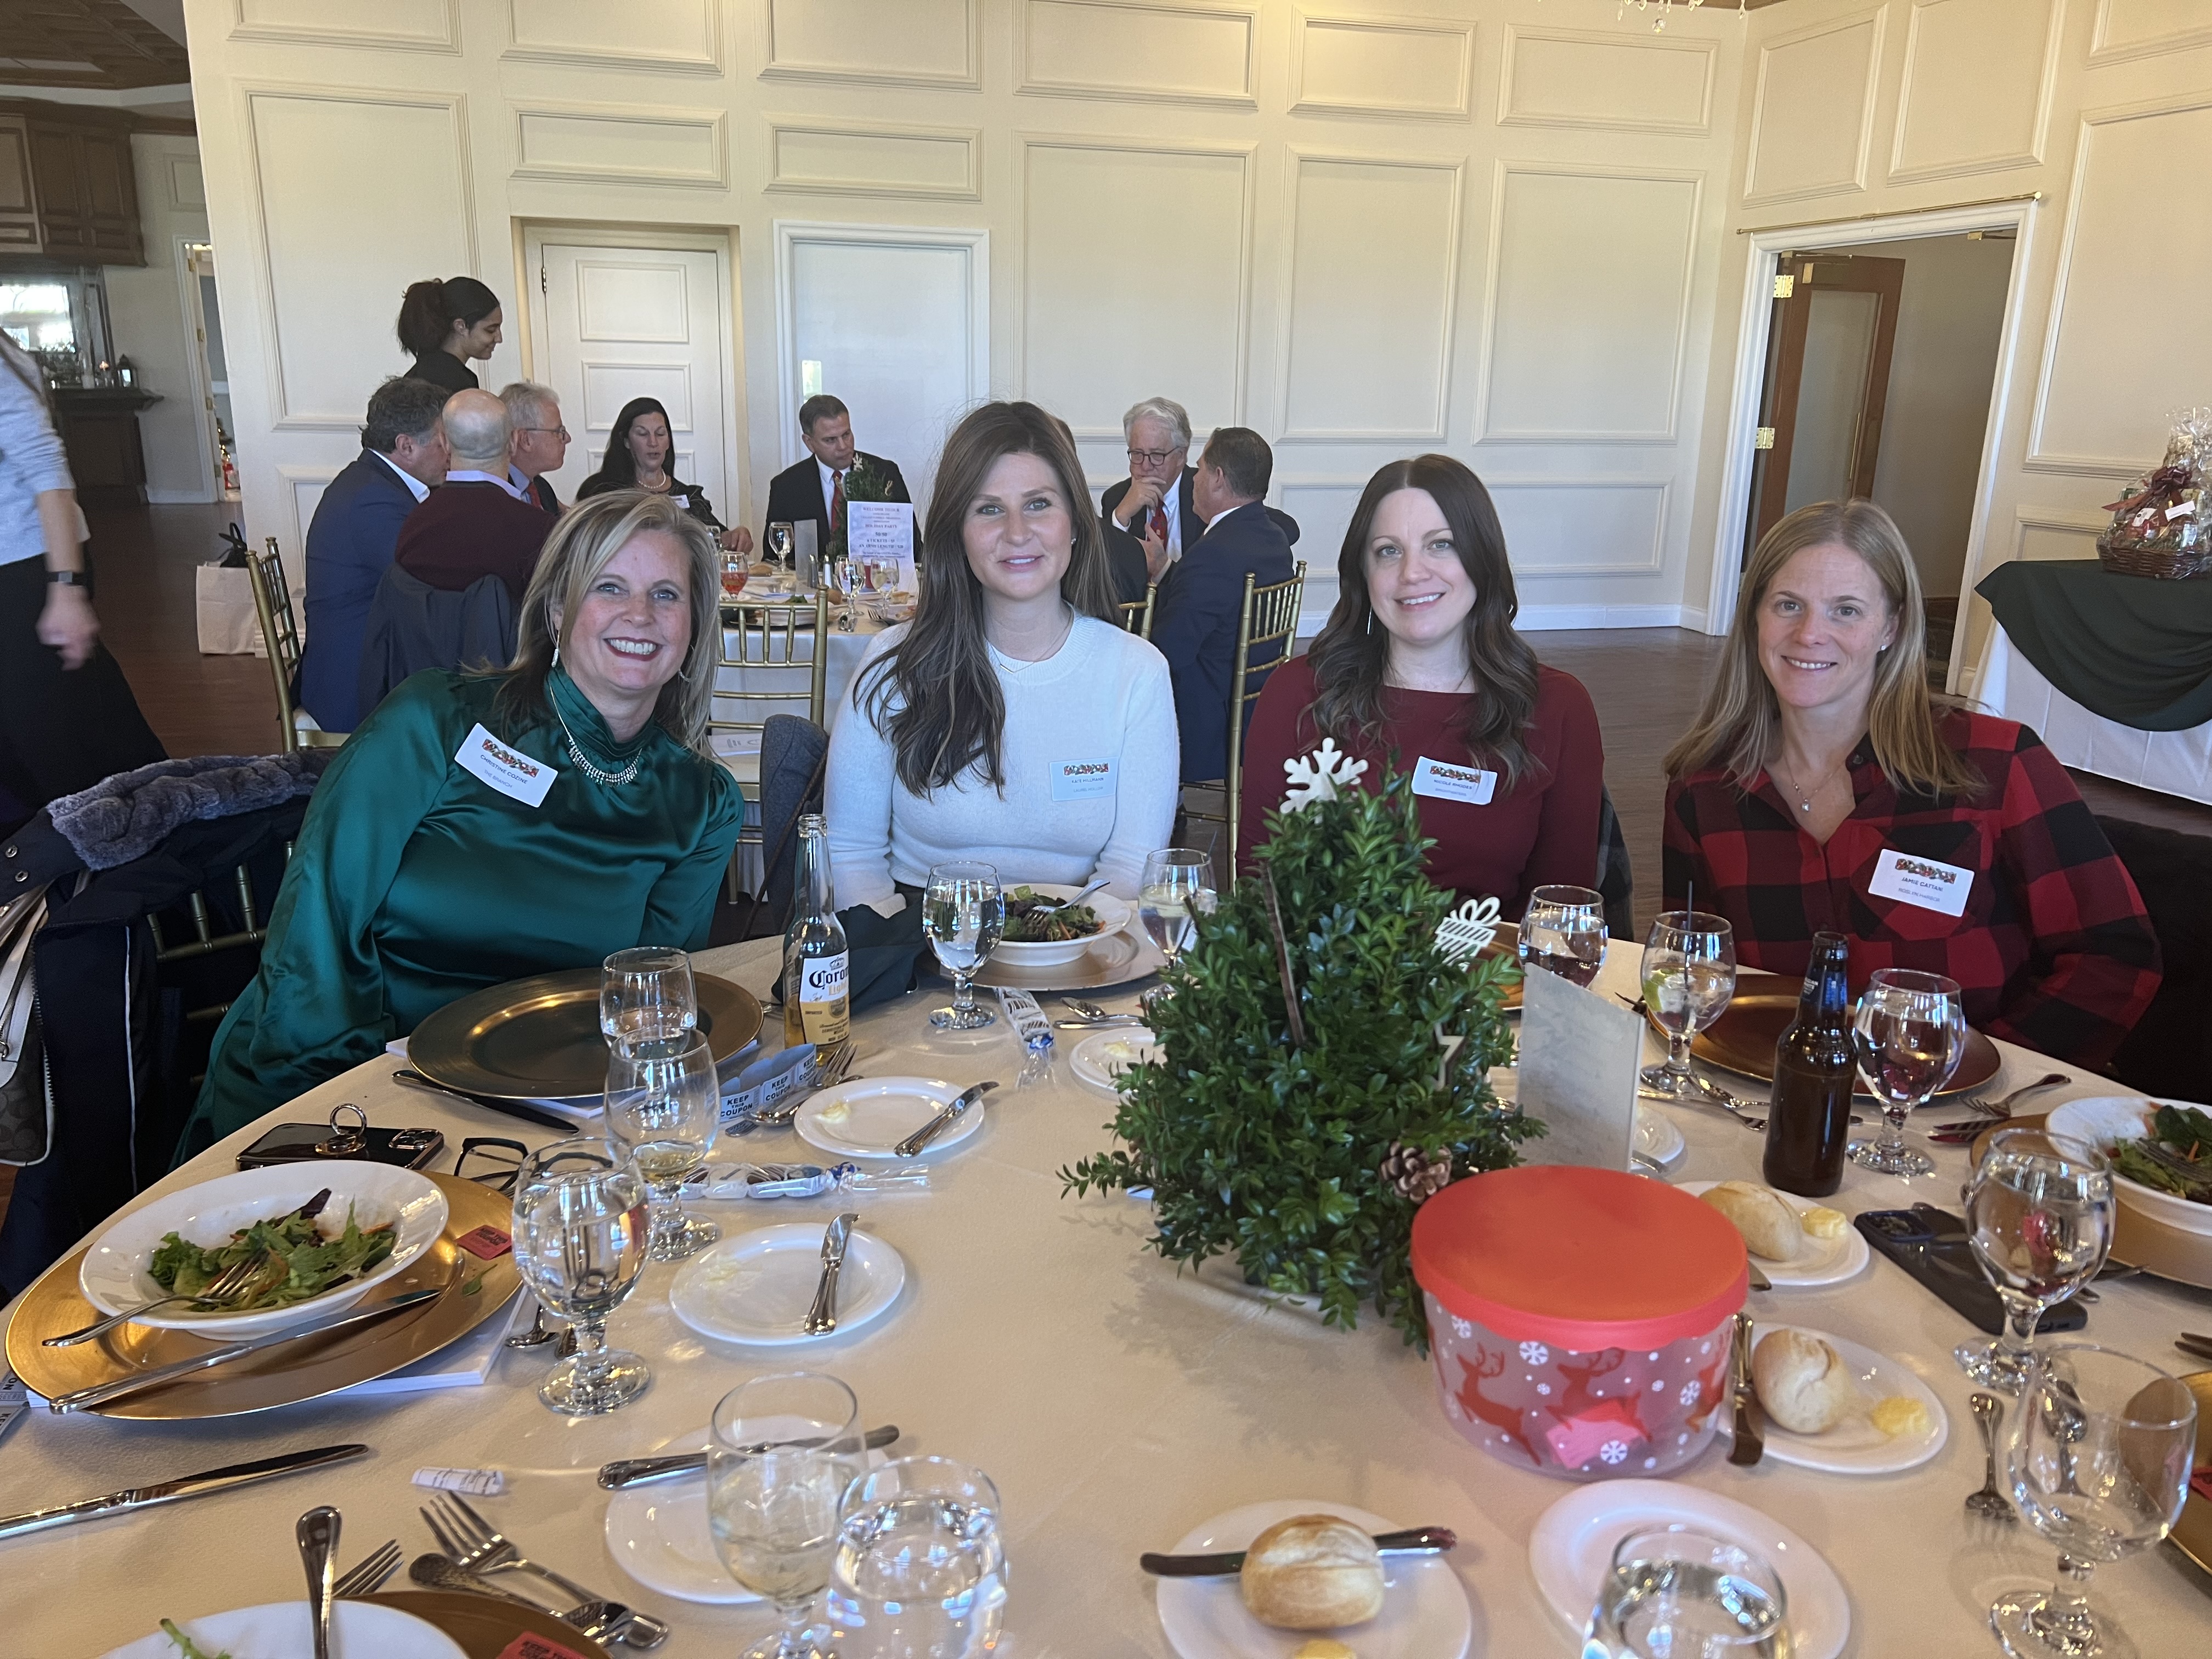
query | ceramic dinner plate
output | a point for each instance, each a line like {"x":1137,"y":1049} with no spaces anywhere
{"x":1424,"y":1615}
{"x":1110,"y":959}
{"x":1823,"y":1261}
{"x":1103,"y":1056}
{"x":1570,"y":1551}
{"x":757,"y":1287}
{"x":1855,"y":1446}
{"x":869,"y":1117}
{"x":280,"y":1630}
{"x":1112,"y":913}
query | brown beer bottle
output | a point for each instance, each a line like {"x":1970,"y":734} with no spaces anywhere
{"x":1808,"y":1122}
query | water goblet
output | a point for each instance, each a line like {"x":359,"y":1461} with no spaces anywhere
{"x":779,"y":545}
{"x":581,"y":1231}
{"x":2039,"y":1214}
{"x":963,"y":912}
{"x":1675,"y":1594}
{"x":1910,"y":1033}
{"x":1176,"y":890}
{"x":662,"y":1113}
{"x":647,"y":999}
{"x":920,"y":1572}
{"x":2098,"y":1462}
{"x":1689,"y":976}
{"x":786,"y":1446}
{"x":1563,"y":933}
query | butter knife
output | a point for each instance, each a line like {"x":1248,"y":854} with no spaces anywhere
{"x":1749,"y":1443}
{"x":2190,"y":1343}
{"x":1416,"y":1540}
{"x":912,"y":1145}
{"x":636,"y":1471}
{"x":821,"y":1317}
{"x":188,"y":1485}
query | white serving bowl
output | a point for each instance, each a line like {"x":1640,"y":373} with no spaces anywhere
{"x":2101,"y":1120}
{"x":1112,"y":915}
{"x":114,"y":1275}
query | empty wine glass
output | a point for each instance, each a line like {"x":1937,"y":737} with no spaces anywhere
{"x":647,"y":999}
{"x":1176,"y":888}
{"x":1689,"y":976}
{"x":580,"y":1227}
{"x":662,"y":1112}
{"x":919,"y":1572}
{"x":964,"y":914}
{"x":2098,"y":1462}
{"x":1910,"y":1033}
{"x":2039,"y":1220}
{"x":1675,"y":1594}
{"x":1563,"y":933}
{"x":785,"y":1448}
{"x":779,"y":545}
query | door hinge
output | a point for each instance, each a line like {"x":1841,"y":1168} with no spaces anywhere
{"x":1784,"y":286}
{"x":1763,"y":439}
{"x":542,"y":289}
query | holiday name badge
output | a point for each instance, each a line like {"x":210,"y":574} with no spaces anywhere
{"x":1929,"y":884}
{"x":1082,"y":780}
{"x":513,"y":774}
{"x":1441,"y":780}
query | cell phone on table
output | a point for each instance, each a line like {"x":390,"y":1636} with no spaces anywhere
{"x":307,"y":1143}
{"x":1931,"y":1245}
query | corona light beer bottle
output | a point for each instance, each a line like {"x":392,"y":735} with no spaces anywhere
{"x":817,"y":978}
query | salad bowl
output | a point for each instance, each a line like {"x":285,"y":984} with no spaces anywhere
{"x":2105,"y":1122}
{"x":1112,"y":916}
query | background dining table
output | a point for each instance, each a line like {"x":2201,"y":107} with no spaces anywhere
{"x":1117,"y":1400}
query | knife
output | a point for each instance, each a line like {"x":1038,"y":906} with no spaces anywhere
{"x":188,"y":1485}
{"x":1749,"y":1445}
{"x":821,"y":1317}
{"x":2190,"y":1343}
{"x":527,"y":1112}
{"x":102,"y":1393}
{"x":912,"y":1145}
{"x":1417,"y":1540}
{"x":636,"y":1471}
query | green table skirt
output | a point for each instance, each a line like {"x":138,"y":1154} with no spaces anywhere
{"x":2130,"y":648}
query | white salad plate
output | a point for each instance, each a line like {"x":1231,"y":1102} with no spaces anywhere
{"x":114,"y":1275}
{"x":1112,"y":915}
{"x":280,"y":1630}
{"x":1100,"y":1058}
{"x":758,"y":1287}
{"x":869,"y":1117}
{"x":1658,"y":1138}
{"x":1824,"y":1261}
{"x":1424,"y":1615}
{"x":1855,"y":1446}
{"x":2103,"y":1120}
{"x":1570,"y":1551}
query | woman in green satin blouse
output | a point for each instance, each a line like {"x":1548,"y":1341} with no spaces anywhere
{"x":479,"y":828}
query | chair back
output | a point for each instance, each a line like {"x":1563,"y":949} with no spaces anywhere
{"x":280,"y":633}
{"x":1137,"y":614}
{"x":413,"y":626}
{"x":1269,"y":617}
{"x":773,"y":658}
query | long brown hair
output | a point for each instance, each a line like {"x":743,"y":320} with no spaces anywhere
{"x":1352,"y":653}
{"x":934,"y":695}
{"x":1740,"y":726}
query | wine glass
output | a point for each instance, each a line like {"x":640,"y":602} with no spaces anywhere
{"x":736,"y":568}
{"x":1176,"y":888}
{"x":1910,"y":1033}
{"x":1675,"y":1594}
{"x":919,"y":1572}
{"x":785,"y":1448}
{"x":1689,"y":975}
{"x":2039,"y":1220}
{"x":646,"y":999}
{"x":1563,"y":933}
{"x":964,"y":914}
{"x":580,"y":1227}
{"x":779,"y":545}
{"x":662,"y":1112}
{"x":2099,"y":1463}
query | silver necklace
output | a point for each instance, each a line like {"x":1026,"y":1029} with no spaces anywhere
{"x":597,"y":774}
{"x":1804,"y":800}
{"x":1020,"y":665}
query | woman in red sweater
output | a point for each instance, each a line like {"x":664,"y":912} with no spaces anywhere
{"x":1419,"y":670}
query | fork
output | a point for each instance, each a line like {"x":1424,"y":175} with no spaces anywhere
{"x":2002,"y":1109}
{"x":368,"y":1576}
{"x":2196,"y":1176}
{"x":478,"y":1546}
{"x":233,"y":1285}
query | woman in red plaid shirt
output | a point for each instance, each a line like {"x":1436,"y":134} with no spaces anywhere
{"x":1825,"y":787}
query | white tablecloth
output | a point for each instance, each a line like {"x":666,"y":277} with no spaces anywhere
{"x":2173,"y":763}
{"x":1116,"y":1400}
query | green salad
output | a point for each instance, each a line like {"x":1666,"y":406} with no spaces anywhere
{"x":186,"y":1646}
{"x":2187,"y":1133}
{"x":1034,"y":918}
{"x":302,"y":1261}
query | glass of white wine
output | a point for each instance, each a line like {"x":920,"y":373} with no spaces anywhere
{"x":785,"y":1448}
{"x":1563,"y":933}
{"x":1177,"y":888}
{"x":662,"y":1111}
{"x":580,"y":1229}
{"x":647,"y":999}
{"x":964,"y":914}
{"x":1689,"y":977}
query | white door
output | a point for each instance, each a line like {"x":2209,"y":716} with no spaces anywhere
{"x":620,"y":322}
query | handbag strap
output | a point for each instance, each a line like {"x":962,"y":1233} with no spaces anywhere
{"x":20,"y":921}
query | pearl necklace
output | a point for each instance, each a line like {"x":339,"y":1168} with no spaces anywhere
{"x":597,"y":774}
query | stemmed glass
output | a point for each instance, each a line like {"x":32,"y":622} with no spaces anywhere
{"x":920,"y":1572}
{"x":1176,"y":888}
{"x":662,"y":1112}
{"x":647,"y":998}
{"x":1675,"y":1594}
{"x":779,"y":546}
{"x":786,"y":1446}
{"x":1563,"y":933}
{"x":2099,"y":1463}
{"x":2039,"y":1220}
{"x":964,"y":914}
{"x":580,"y":1226}
{"x":1910,"y":1033}
{"x":1689,"y":976}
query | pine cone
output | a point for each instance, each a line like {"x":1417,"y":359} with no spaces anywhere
{"x":1417,"y":1175}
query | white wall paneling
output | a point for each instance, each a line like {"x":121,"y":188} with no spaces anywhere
{"x":928,"y":43}
{"x":622,"y":144}
{"x":1551,"y":77}
{"x":1419,"y":68}
{"x":394,"y":25}
{"x":862,"y":158}
{"x":187,"y":185}
{"x":1322,"y":503}
{"x":2147,"y":28}
{"x":1588,"y":304}
{"x":1978,"y":84}
{"x":1145,"y":51}
{"x":303,"y":493}
{"x":2050,"y":532}
{"x":681,"y":37}
{"x":1582,"y":527}
{"x":1812,"y":116}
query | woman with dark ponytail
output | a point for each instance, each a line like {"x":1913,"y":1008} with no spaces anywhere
{"x":447,"y":323}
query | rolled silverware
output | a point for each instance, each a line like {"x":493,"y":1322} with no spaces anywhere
{"x":636,"y":1471}
{"x":1415,"y":1541}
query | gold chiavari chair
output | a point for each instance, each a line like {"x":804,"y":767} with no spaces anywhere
{"x":1137,"y":614}
{"x":1269,"y":616}
{"x":780,"y":654}
{"x":280,"y":633}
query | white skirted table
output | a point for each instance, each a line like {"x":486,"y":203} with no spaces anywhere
{"x":2173,"y":762}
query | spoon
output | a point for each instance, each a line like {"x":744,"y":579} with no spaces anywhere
{"x":318,"y":1536}
{"x":537,"y":1336}
{"x":1990,"y":1503}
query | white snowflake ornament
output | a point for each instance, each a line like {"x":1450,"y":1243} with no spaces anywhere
{"x":1321,"y":776}
{"x":1466,"y":932}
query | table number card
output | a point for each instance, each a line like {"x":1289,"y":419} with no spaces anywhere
{"x":883,"y":531}
{"x":1579,"y":1054}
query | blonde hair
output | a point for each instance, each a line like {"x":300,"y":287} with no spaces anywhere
{"x":586,"y":539}
{"x":1739,"y":726}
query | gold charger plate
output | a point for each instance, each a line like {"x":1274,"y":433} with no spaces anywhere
{"x":1115,"y":958}
{"x":281,"y":1376}
{"x":539,"y":1038}
{"x":1742,"y":1041}
{"x":485,"y":1625}
{"x":2192,"y":1534}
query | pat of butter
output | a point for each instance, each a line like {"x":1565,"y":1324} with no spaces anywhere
{"x":1823,"y":1222}
{"x":1324,"y":1647}
{"x":1901,"y":1413}
{"x":836,"y":1112}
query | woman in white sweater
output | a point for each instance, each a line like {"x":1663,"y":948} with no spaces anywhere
{"x":1012,"y":721}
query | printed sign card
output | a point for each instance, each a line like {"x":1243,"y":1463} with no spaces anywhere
{"x":883,"y":531}
{"x":1579,"y":1054}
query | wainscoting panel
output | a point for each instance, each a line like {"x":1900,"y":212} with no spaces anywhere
{"x":1812,"y":111}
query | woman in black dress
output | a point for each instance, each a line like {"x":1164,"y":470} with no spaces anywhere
{"x":447,"y":323}
{"x":640,"y":456}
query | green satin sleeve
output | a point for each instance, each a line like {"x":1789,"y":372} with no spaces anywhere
{"x":680,"y":909}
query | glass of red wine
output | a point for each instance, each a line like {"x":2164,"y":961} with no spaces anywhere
{"x":1910,"y":1033}
{"x":1563,"y":933}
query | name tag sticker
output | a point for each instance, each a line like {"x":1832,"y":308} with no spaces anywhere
{"x":1927,"y":882}
{"x":507,"y":770}
{"x":1082,"y":780}
{"x":1442,"y":782}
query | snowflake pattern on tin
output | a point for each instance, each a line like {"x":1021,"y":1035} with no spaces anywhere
{"x":1535,"y":1353}
{"x":1691,"y":1390}
{"x":1460,"y":1328}
{"x":1614,"y":1451}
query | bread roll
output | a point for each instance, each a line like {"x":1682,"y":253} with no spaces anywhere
{"x":1802,"y":1382}
{"x":1313,"y":1572}
{"x":1769,"y":1226}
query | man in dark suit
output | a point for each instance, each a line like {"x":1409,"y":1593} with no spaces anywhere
{"x":1194,"y":624}
{"x":537,"y":442}
{"x":815,"y":487}
{"x":1150,"y":517}
{"x":476,"y":524}
{"x":353,"y":534}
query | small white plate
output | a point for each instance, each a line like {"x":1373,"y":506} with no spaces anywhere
{"x":1103,"y":1056}
{"x":1825,"y":1260}
{"x":757,"y":1287}
{"x":1112,"y":915}
{"x":1658,"y":1138}
{"x":1570,"y":1551}
{"x":2103,"y":1120}
{"x":1424,"y":1615}
{"x":280,"y":1630}
{"x":1855,"y":1446}
{"x":869,"y":1117}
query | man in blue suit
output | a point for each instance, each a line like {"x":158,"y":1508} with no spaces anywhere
{"x":1196,"y":627}
{"x":349,"y":544}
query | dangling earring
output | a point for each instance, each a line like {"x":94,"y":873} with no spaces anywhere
{"x":557,"y":651}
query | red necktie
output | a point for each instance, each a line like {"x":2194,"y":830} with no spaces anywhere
{"x":837,"y":503}
{"x":1160,"y":526}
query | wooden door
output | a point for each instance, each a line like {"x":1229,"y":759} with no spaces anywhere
{"x":19,"y":205}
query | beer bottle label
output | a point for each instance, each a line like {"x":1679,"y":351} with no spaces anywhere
{"x":824,"y":1003}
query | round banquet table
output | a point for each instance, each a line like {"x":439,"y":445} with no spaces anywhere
{"x":1117,"y":1400}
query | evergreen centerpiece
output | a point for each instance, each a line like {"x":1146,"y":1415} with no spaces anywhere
{"x":1301,"y":1135}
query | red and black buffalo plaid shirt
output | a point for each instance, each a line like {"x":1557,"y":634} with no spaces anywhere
{"x":2054,"y":951}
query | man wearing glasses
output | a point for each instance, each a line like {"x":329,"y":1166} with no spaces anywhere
{"x":539,"y":444}
{"x":1150,"y":517}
